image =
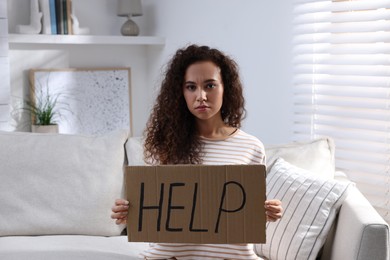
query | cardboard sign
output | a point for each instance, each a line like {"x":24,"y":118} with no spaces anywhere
{"x":196,"y":204}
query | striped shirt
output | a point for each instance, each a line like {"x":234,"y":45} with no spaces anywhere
{"x":238,"y":148}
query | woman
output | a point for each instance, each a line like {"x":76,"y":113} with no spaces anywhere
{"x":196,"y":120}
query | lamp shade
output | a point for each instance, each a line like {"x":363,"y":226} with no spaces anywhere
{"x":129,"y":7}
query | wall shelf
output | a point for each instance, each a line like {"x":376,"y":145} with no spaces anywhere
{"x":84,"y":39}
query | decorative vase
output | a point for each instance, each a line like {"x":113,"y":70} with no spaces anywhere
{"x":130,"y":28}
{"x":44,"y":129}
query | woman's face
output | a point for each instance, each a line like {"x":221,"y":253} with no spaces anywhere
{"x":203,"y":90}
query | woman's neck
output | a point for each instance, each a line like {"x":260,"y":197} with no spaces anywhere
{"x":214,"y":130}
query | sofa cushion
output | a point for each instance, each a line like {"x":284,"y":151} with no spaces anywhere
{"x":65,"y":247}
{"x":60,"y":184}
{"x":317,"y":156}
{"x":310,"y":204}
{"x":135,"y":151}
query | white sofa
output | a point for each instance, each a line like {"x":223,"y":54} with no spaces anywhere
{"x":56,"y":192}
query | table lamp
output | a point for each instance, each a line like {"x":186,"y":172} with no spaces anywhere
{"x":129,"y":8}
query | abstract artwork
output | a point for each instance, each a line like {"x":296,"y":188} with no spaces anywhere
{"x":90,"y":101}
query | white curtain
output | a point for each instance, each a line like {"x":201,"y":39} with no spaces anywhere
{"x":341,"y":59}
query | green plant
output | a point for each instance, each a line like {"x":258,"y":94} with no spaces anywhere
{"x":43,"y":105}
{"x":45,"y":108}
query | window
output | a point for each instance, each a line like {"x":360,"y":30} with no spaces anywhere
{"x":342,"y":87}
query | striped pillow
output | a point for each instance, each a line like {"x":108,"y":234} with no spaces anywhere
{"x":310,"y":205}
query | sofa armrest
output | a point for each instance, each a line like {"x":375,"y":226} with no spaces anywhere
{"x":360,"y":232}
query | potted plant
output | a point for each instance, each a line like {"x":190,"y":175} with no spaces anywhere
{"x":45,"y":109}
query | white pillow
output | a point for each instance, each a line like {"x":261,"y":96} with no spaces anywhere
{"x":53,"y":184}
{"x":135,"y":151}
{"x":310,"y":204}
{"x":317,"y":156}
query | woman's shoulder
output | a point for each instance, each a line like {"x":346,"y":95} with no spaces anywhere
{"x":253,"y":145}
{"x":241,"y":135}
{"x":238,"y":148}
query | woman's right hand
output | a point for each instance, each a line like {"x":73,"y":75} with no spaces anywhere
{"x":120,"y":211}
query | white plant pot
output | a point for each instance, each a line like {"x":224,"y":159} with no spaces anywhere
{"x":44,"y":128}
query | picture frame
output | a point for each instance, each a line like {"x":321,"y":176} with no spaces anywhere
{"x":90,"y":101}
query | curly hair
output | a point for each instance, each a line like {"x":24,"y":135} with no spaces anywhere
{"x":171,"y":135}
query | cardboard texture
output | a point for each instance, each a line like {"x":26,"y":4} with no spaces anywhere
{"x":196,"y":204}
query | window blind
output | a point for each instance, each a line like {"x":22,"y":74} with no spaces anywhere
{"x":341,"y":60}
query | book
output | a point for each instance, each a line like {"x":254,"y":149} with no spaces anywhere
{"x":69,"y":16}
{"x":64,"y":16}
{"x":60,"y":27}
{"x":53,"y":17}
{"x":44,"y":7}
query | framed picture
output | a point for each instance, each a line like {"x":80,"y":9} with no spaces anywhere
{"x":89,"y":101}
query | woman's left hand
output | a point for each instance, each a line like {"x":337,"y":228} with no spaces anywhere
{"x":273,"y":209}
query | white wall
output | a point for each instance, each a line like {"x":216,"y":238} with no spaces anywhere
{"x":255,"y":33}
{"x":4,"y":69}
